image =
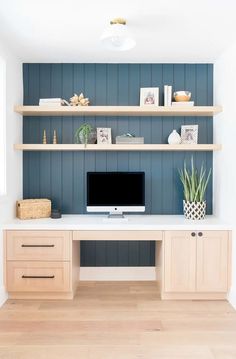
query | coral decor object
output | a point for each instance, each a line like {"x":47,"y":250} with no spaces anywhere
{"x":79,"y":100}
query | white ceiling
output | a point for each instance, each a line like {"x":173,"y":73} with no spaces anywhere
{"x":165,"y":30}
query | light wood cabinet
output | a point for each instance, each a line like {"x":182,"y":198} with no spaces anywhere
{"x":196,"y":262}
{"x":40,"y":264}
{"x":180,"y":262}
{"x":212,"y":261}
{"x":189,"y":264}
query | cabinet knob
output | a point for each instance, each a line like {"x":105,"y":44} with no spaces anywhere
{"x":200,"y":234}
{"x":193,"y":234}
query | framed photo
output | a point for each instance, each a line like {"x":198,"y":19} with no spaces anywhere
{"x":103,"y":135}
{"x":149,"y":96}
{"x":189,"y":134}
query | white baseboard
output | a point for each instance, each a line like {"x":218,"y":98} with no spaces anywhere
{"x":3,"y":295}
{"x":117,"y":273}
{"x":232,"y":298}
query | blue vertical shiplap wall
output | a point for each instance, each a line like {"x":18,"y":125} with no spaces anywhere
{"x":61,"y":175}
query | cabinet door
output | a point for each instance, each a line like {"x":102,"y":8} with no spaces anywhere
{"x":212,"y":261}
{"x":180,"y":261}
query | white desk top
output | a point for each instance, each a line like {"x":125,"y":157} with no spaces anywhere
{"x":132,"y":222}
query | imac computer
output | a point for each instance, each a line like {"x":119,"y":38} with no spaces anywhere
{"x":115,"y":192}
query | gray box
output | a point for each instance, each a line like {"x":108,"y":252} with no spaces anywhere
{"x":121,"y":140}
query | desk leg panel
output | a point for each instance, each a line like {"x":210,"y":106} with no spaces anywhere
{"x":75,"y":265}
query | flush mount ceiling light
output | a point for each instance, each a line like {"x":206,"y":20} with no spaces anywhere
{"x":117,"y":37}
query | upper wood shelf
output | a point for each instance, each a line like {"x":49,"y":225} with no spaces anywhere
{"x":117,"y":111}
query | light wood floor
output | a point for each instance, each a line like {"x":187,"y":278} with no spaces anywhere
{"x":121,"y":320}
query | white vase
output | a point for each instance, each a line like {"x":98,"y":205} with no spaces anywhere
{"x":174,"y":138}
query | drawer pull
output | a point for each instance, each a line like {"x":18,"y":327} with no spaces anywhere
{"x":193,"y":234}
{"x":38,"y":245}
{"x":200,"y":234}
{"x":39,"y":276}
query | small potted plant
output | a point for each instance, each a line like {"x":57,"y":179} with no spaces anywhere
{"x":85,"y":134}
{"x":194,"y":185}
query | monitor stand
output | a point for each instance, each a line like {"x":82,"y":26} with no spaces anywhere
{"x":116,"y":216}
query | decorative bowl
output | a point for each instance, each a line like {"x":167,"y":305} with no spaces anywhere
{"x":182,"y":96}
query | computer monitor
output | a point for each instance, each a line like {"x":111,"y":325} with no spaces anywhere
{"x":115,"y":192}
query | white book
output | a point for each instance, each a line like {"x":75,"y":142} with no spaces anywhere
{"x":50,"y":104}
{"x":166,"y":95}
{"x":183,"y":103}
{"x":50,"y":100}
{"x":169,"y":96}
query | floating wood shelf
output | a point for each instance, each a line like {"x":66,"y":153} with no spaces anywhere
{"x":113,"y":147}
{"x":118,"y":111}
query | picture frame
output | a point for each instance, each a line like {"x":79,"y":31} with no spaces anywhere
{"x":189,"y":134}
{"x":149,"y":96}
{"x":103,"y":136}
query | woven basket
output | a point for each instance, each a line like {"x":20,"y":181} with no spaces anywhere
{"x":33,"y":208}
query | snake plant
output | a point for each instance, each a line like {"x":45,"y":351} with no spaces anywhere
{"x":194,"y":182}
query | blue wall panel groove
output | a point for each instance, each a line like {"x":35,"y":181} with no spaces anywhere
{"x":62,"y":175}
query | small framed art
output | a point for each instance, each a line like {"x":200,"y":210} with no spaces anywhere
{"x":103,"y":135}
{"x":149,"y":96}
{"x":189,"y":134}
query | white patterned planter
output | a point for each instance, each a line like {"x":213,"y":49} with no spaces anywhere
{"x":194,"y":210}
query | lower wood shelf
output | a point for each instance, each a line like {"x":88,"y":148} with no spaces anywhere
{"x":114,"y":147}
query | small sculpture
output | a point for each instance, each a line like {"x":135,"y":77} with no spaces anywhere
{"x":44,"y":137}
{"x":79,"y":100}
{"x":54,"y":141}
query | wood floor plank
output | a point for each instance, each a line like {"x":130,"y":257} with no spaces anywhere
{"x":224,"y":352}
{"x":105,"y":352}
{"x":84,"y":338}
{"x":151,"y":352}
{"x":108,"y":315}
{"x":209,"y":338}
{"x":80,"y":326}
{"x":199,"y":324}
{"x":45,"y":352}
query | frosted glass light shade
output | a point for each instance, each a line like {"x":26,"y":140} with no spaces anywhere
{"x":117,"y":38}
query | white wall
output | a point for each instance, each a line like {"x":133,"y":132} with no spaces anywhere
{"x":225,"y":160}
{"x":13,"y":135}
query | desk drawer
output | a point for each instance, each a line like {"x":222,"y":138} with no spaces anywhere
{"x":38,"y":276}
{"x":38,"y":245}
{"x":117,"y":235}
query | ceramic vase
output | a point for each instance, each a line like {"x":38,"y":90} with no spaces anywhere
{"x":174,"y":138}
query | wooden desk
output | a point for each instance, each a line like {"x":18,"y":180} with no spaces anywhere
{"x":193,"y":260}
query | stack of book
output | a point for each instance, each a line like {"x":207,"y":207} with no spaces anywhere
{"x":183,"y":103}
{"x":167,"y":95}
{"x":51,"y":102}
